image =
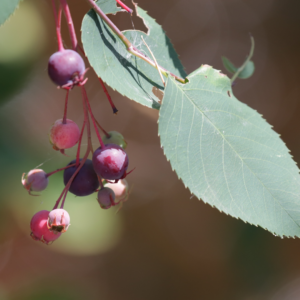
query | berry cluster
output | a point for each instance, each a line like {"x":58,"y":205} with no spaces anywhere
{"x":105,"y":173}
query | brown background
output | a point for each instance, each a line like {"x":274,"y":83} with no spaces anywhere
{"x":171,"y":246}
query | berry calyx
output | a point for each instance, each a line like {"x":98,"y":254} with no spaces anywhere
{"x":106,"y":198}
{"x":40,"y":230}
{"x":64,"y":135}
{"x":66,"y":68}
{"x":110,"y":162}
{"x":85,"y":182}
{"x":36,"y":180}
{"x":116,"y":138}
{"x":58,"y":220}
{"x":121,"y":190}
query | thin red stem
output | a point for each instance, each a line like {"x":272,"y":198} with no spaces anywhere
{"x":53,"y":172}
{"x":101,"y":128}
{"x":66,"y":107}
{"x":115,"y":110}
{"x":79,"y":143}
{"x":58,"y":25}
{"x":100,"y":182}
{"x":68,"y":16}
{"x":129,"y":10}
{"x":92,"y":116}
{"x":67,"y":187}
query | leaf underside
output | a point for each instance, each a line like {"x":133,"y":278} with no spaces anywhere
{"x":7,"y":7}
{"x":129,"y":75}
{"x":227,"y":154}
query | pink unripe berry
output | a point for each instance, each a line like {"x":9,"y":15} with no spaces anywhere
{"x":115,"y":138}
{"x":36,"y":180}
{"x":106,"y":198}
{"x":120,"y":189}
{"x":66,"y":68}
{"x":58,"y":220}
{"x":40,"y":230}
{"x":64,"y":136}
{"x":110,"y":162}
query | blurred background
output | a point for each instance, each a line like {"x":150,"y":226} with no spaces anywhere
{"x":162,"y":244}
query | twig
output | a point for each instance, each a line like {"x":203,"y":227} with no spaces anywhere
{"x":242,"y":67}
{"x":157,"y":67}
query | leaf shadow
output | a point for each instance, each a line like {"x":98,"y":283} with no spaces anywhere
{"x":128,"y":66}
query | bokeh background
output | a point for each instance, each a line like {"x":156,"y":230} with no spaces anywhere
{"x":163,"y":243}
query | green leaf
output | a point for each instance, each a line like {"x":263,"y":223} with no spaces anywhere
{"x":227,"y":154}
{"x":231,"y":68}
{"x":7,"y":7}
{"x":247,"y":71}
{"x":129,"y":75}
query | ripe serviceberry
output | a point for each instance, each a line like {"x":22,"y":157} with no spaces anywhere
{"x":64,"y":136}
{"x":40,"y":230}
{"x":110,"y":162}
{"x":115,"y":138}
{"x":58,"y":220}
{"x":66,"y":68}
{"x":36,"y":180}
{"x":85,"y":182}
{"x":121,"y":190}
{"x":106,"y":198}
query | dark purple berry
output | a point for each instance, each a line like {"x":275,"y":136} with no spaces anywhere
{"x":66,"y":67}
{"x":85,"y":182}
{"x":110,"y":162}
{"x":106,"y":198}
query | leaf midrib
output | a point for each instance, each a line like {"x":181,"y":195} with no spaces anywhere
{"x":182,"y":90}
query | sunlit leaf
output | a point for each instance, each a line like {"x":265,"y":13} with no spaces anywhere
{"x":7,"y":7}
{"x":228,"y":155}
{"x":129,"y":75}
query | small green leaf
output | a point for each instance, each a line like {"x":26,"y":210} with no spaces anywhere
{"x":7,"y":7}
{"x":227,"y":154}
{"x":244,"y":74}
{"x":129,"y":75}
{"x":229,"y":66}
{"x":247,"y":71}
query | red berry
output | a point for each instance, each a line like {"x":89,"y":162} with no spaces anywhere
{"x":58,"y":220}
{"x":39,"y":228}
{"x":106,"y":198}
{"x":64,"y":136}
{"x":85,"y":182}
{"x":66,"y":68}
{"x":36,"y":180}
{"x":110,"y":162}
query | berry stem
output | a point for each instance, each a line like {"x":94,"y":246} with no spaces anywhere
{"x":79,"y":143}
{"x":92,"y":116}
{"x":58,"y":25}
{"x":129,"y":47}
{"x":67,"y":187}
{"x":66,"y":107}
{"x":68,"y":16}
{"x":129,"y":10}
{"x":53,"y":172}
{"x":105,"y":132}
{"x":115,"y":110}
{"x":100,"y":182}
